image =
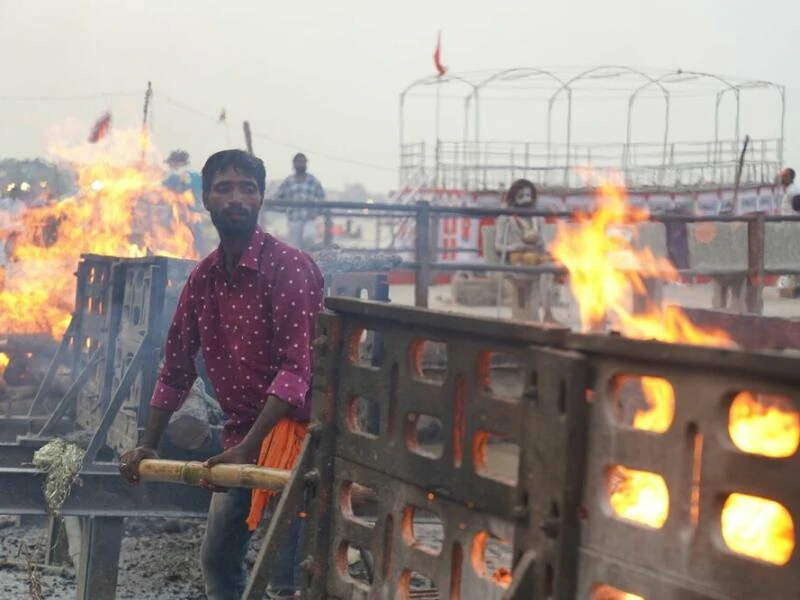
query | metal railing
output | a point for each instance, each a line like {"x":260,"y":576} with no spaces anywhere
{"x":423,"y":257}
{"x":495,"y":164}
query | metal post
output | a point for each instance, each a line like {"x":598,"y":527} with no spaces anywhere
{"x":569,"y":137}
{"x":422,"y":253}
{"x":783,"y":126}
{"x":328,"y":233}
{"x":101,"y":538}
{"x":739,"y":169}
{"x":715,"y":170}
{"x":400,"y":177}
{"x":466,"y":153}
{"x":549,"y":131}
{"x":754,"y":285}
{"x":38,"y":408}
{"x":57,"y":551}
{"x":437,"y":164}
{"x":666,"y":138}
{"x":248,"y":137}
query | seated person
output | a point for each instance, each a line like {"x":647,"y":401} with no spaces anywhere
{"x":518,"y":240}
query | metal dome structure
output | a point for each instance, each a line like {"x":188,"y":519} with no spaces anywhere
{"x":476,"y":157}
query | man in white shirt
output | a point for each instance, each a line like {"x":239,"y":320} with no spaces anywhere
{"x":790,"y":190}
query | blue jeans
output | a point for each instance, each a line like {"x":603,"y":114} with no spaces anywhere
{"x":225,"y":546}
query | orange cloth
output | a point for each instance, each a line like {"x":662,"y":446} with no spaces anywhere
{"x":279,"y":450}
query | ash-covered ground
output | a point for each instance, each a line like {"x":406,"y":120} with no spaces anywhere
{"x":159,"y":560}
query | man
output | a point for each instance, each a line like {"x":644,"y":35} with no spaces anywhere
{"x":790,"y":191}
{"x":250,"y":307}
{"x":181,"y":179}
{"x":787,"y":284}
{"x":301,"y":187}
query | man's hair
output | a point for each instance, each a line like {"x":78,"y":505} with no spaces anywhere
{"x":240,"y":161}
{"x":299,"y":155}
{"x":790,"y":172}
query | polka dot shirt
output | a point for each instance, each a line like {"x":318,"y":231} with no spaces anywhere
{"x":254,"y":330}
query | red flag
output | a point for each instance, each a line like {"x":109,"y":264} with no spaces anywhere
{"x":437,"y":56}
{"x":101,"y":128}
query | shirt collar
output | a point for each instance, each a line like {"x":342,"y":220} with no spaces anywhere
{"x":251,"y":254}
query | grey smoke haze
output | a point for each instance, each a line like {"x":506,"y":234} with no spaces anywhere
{"x":324,"y":77}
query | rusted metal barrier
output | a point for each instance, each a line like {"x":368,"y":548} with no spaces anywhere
{"x":561,"y":407}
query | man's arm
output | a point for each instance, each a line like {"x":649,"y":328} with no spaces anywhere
{"x":296,"y":301}
{"x":282,"y":192}
{"x":319,"y":191}
{"x":174,"y":382}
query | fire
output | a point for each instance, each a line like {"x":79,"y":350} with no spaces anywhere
{"x":638,"y":496}
{"x":120,"y":209}
{"x":4,"y":360}
{"x":606,"y":592}
{"x":759,"y":528}
{"x":605,"y":270}
{"x":764,"y":424}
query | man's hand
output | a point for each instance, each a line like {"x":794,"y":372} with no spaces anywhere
{"x":129,"y":463}
{"x":531,"y":237}
{"x":240,"y":454}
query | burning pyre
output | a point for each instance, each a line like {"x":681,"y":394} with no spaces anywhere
{"x":121,"y":209}
{"x":605,"y":269}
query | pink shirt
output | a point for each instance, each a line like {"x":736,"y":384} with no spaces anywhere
{"x":255,"y":331}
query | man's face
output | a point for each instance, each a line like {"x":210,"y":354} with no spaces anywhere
{"x":233,"y":202}
{"x":300,"y":165}
{"x":786,"y":177}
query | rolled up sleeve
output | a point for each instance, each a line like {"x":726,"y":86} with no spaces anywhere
{"x":178,"y":372}
{"x":297,"y":300}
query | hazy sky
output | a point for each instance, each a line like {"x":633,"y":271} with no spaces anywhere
{"x":324,"y":77}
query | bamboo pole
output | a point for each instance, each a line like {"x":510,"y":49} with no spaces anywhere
{"x":241,"y":476}
{"x":229,"y":476}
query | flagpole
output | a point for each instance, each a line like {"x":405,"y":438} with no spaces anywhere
{"x":437,"y":127}
{"x":143,"y":138}
{"x":438,"y":122}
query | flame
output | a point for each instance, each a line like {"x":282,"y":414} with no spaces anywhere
{"x":638,"y":496}
{"x":4,"y":360}
{"x":121,"y":209}
{"x":605,"y":270}
{"x":758,"y":528}
{"x":607,"y":592}
{"x":764,"y":424}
